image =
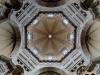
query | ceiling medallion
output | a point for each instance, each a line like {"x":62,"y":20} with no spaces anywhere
{"x":50,"y":37}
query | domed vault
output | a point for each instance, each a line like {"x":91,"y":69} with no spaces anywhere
{"x":50,"y":36}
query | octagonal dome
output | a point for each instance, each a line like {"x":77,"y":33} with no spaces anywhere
{"x":50,"y":36}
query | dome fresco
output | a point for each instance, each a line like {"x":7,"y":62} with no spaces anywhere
{"x":93,"y":42}
{"x":49,"y":37}
{"x":2,"y":1}
{"x":8,"y":38}
{"x":52,"y":34}
{"x":49,"y":73}
{"x":51,"y":3}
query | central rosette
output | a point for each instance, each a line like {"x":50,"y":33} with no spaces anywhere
{"x":50,"y":36}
